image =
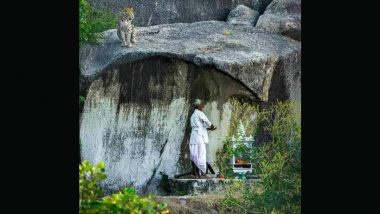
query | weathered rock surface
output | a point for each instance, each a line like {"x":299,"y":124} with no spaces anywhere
{"x":243,"y":52}
{"x":260,"y":5}
{"x":136,"y":118}
{"x":283,"y":17}
{"x":154,"y":12}
{"x":138,"y":103}
{"x":243,"y":15}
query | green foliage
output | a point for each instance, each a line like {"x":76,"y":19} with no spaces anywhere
{"x":103,"y":21}
{"x":81,"y":99}
{"x":89,"y":177}
{"x":247,"y":113}
{"x":278,"y":163}
{"x":127,"y":201}
{"x":224,"y":156}
{"x":92,"y":22}
{"x":83,"y":16}
{"x":232,"y":202}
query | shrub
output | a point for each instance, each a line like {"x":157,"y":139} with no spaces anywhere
{"x":92,"y":23}
{"x":81,"y":99}
{"x":247,"y":113}
{"x":127,"y":201}
{"x":278,"y":163}
{"x":85,"y":27}
{"x":89,"y":177}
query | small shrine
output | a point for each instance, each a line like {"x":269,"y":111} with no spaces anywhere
{"x":239,"y":163}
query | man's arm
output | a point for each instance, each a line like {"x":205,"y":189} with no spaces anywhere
{"x":205,"y":120}
{"x":210,"y":126}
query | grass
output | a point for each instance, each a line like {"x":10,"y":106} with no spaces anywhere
{"x":227,"y":32}
{"x":231,"y":43}
{"x":204,"y":203}
{"x":210,"y":49}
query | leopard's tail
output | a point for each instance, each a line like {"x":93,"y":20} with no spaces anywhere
{"x":148,"y":33}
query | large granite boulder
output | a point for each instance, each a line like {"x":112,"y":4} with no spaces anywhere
{"x":138,"y":103}
{"x":260,"y":5}
{"x":243,"y":15}
{"x":247,"y":54}
{"x":154,"y":12}
{"x":283,"y":17}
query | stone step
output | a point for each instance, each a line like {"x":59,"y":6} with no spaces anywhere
{"x":200,"y":186}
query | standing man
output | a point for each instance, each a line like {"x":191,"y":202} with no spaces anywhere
{"x":198,"y":138}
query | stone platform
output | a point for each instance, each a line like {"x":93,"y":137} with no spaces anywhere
{"x":200,"y":186}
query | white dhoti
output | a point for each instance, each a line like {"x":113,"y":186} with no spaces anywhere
{"x":198,"y":151}
{"x":198,"y":139}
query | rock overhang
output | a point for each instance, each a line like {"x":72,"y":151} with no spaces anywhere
{"x":246,"y":53}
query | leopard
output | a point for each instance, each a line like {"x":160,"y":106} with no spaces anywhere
{"x":126,"y":30}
